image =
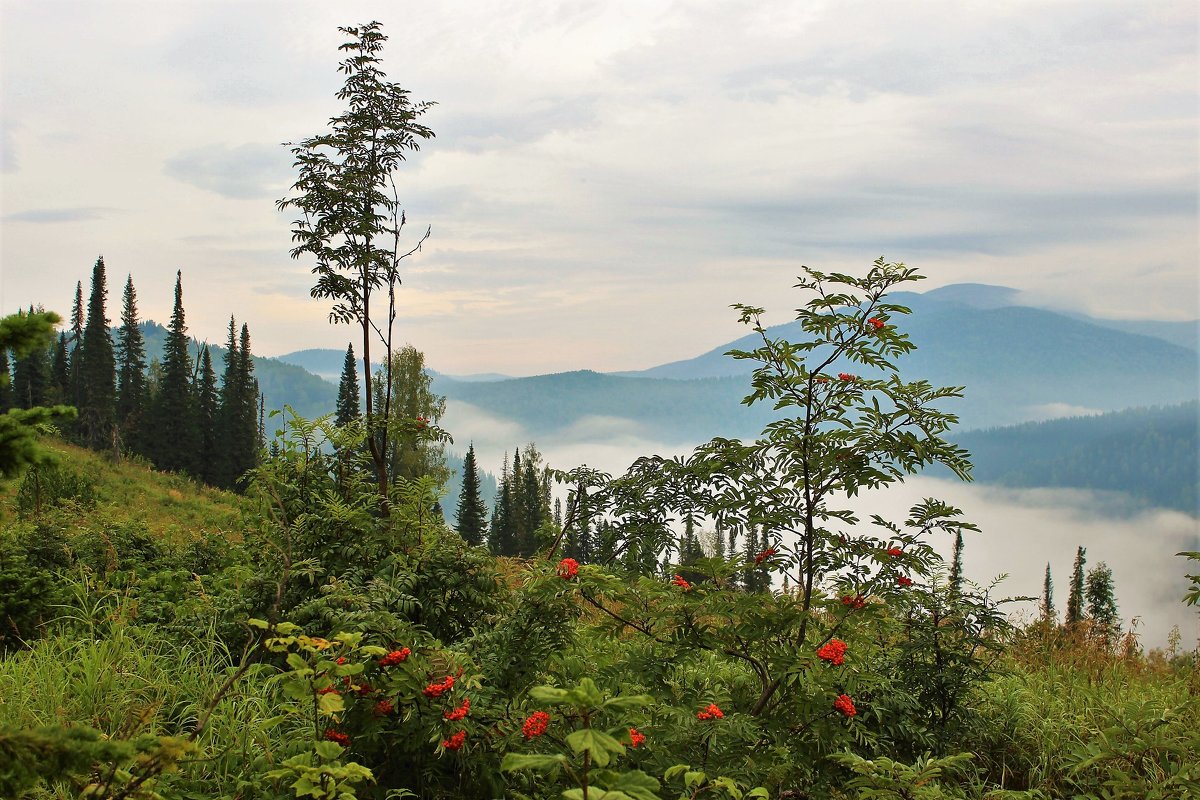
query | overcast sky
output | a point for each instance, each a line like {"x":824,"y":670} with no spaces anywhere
{"x":608,"y":177}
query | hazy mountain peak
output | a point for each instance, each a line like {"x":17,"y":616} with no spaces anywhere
{"x":975,"y":295}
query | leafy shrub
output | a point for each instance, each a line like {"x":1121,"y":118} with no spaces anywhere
{"x":51,"y":484}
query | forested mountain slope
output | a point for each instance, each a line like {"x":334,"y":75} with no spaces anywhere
{"x":1148,"y":453}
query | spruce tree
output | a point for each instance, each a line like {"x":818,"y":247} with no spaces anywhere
{"x":206,"y":406}
{"x":60,"y":371}
{"x":97,"y":371}
{"x":956,"y":564}
{"x":244,"y":430}
{"x":7,"y":400}
{"x":231,"y":391}
{"x":174,"y":438}
{"x":516,"y":516}
{"x":535,"y":508}
{"x":471,"y":517}
{"x":76,"y":345}
{"x":1048,"y":612}
{"x":580,"y":544}
{"x":1102,"y":601}
{"x":132,"y":391}
{"x":500,"y":533}
{"x":31,"y":373}
{"x":1075,"y":597}
{"x":348,"y":392}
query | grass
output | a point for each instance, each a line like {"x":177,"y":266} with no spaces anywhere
{"x":170,"y":506}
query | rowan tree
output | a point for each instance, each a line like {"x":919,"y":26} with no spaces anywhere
{"x":351,"y":222}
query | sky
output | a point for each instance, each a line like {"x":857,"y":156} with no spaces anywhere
{"x":608,"y":177}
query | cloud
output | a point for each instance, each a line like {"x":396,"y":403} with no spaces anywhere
{"x":8,"y":150}
{"x":479,"y":131}
{"x":1047,"y":411}
{"x":58,"y":215}
{"x":247,"y":171}
{"x":1023,"y":529}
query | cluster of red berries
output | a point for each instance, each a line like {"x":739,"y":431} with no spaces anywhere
{"x":636,"y":737}
{"x":439,"y":689}
{"x":895,"y":552}
{"x":536,"y":724}
{"x":764,"y":555}
{"x":845,"y":705}
{"x":395,"y":657}
{"x":422,"y":422}
{"x":846,"y":376}
{"x":833,"y":651}
{"x":328,"y":690}
{"x":455,"y":740}
{"x":711,"y":712}
{"x":876,"y":323}
{"x":679,"y":581}
{"x":855,"y":601}
{"x":568,"y":568}
{"x":337,"y":736}
{"x":904,"y":581}
{"x":384,"y":707}
{"x":459,"y":712}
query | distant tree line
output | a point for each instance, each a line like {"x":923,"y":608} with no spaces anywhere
{"x":1091,"y":600}
{"x":1149,"y":453}
{"x":176,"y":413}
{"x":524,"y":520}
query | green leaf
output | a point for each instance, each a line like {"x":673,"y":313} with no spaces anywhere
{"x":630,"y":701}
{"x":598,"y":743}
{"x":534,"y":761}
{"x":586,"y":694}
{"x":636,"y":784}
{"x":296,"y":661}
{"x":330,"y":703}
{"x":328,"y":751}
{"x":549,"y":695}
{"x":674,"y":772}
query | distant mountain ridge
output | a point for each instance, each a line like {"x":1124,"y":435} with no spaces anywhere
{"x":280,"y":383}
{"x":1149,"y":454}
{"x":1019,"y":364}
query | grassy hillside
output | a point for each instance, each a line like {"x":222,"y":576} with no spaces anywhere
{"x":129,"y":493}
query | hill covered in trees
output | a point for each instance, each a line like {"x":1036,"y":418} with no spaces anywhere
{"x":1148,"y":453}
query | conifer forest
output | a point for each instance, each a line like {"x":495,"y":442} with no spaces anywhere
{"x":201,"y":597}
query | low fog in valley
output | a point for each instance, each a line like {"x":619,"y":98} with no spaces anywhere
{"x":1021,"y":529}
